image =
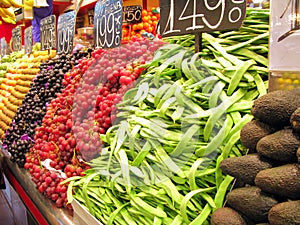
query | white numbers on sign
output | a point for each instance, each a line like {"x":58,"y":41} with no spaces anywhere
{"x":194,"y":16}
{"x":235,"y":9}
{"x":107,"y":32}
{"x":64,"y":36}
{"x":199,"y":20}
{"x":221,"y":4}
{"x":47,"y":39}
{"x":130,"y":16}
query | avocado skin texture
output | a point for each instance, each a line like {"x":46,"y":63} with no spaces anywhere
{"x":295,"y":120}
{"x":262,"y":224}
{"x":245,"y":168}
{"x":227,"y":216}
{"x":276,"y":107}
{"x":253,"y":131}
{"x":282,"y":180}
{"x":252,"y":202}
{"x":281,"y":145}
{"x":285,"y":213}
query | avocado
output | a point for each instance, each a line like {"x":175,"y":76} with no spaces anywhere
{"x":252,"y":202}
{"x":245,"y":168}
{"x":295,"y":120}
{"x":281,"y":145}
{"x":227,"y":216}
{"x":285,"y":213}
{"x":276,"y":107}
{"x":282,"y":180}
{"x":253,"y":131}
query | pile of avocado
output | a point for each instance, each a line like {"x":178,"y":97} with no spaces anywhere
{"x":267,"y":189}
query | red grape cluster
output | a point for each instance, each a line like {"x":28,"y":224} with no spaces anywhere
{"x":86,"y":108}
{"x":53,"y":156}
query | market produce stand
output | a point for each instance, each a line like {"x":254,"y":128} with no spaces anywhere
{"x":42,"y":209}
{"x":138,"y":130}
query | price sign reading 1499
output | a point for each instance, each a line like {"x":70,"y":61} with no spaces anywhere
{"x":108,"y":23}
{"x":65,"y":32}
{"x":194,"y":16}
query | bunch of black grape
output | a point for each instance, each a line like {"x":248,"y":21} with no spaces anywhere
{"x":19,"y":137}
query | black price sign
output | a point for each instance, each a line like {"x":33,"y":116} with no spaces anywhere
{"x":48,"y":33}
{"x":65,"y":32}
{"x":108,"y":23}
{"x":132,"y":14}
{"x":28,"y":40}
{"x":194,"y":16}
{"x":3,"y":47}
{"x":17,"y":39}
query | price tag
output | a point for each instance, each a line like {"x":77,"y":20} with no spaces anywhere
{"x":65,"y":32}
{"x":48,"y":33}
{"x":132,"y":14}
{"x":194,"y":16}
{"x":108,"y":23}
{"x":28,"y":40}
{"x":17,"y":39}
{"x":3,"y":47}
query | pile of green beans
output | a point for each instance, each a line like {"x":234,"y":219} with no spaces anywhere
{"x":160,"y":162}
{"x":225,"y":52}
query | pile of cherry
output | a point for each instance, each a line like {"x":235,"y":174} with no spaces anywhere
{"x":69,"y":134}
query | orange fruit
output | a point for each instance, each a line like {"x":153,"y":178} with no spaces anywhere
{"x":154,"y":18}
{"x":140,"y":26}
{"x":144,"y":12}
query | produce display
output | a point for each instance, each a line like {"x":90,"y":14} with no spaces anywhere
{"x":160,"y":161}
{"x":69,"y":133}
{"x":17,"y":84}
{"x":152,"y":132}
{"x":272,"y":168}
{"x":19,"y":137}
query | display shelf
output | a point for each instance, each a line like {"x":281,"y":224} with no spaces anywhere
{"x":44,"y":211}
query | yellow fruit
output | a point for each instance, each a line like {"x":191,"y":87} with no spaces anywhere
{"x":7,"y":13}
{"x":15,"y":4}
{"x":5,"y":4}
{"x":9,"y":20}
{"x":28,"y":4}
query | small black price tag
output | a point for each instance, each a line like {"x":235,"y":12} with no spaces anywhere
{"x":17,"y":39}
{"x":65,"y":32}
{"x":28,"y":40}
{"x":194,"y":16}
{"x":48,"y":33}
{"x":3,"y":47}
{"x":108,"y":23}
{"x":132,"y":14}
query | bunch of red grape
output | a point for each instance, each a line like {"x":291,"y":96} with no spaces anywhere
{"x":70,"y":131}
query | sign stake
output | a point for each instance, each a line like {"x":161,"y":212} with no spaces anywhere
{"x":198,"y":42}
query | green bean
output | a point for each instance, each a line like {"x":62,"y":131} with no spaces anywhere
{"x":186,"y":199}
{"x":177,"y":220}
{"x":219,"y":111}
{"x":202,"y":217}
{"x":238,"y":75}
{"x":221,"y":50}
{"x":146,"y":207}
{"x":219,"y":197}
{"x":252,"y":55}
{"x":260,"y":85}
{"x":187,"y":136}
